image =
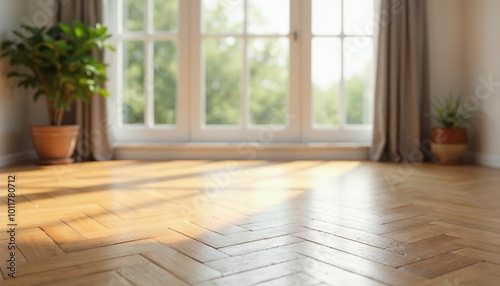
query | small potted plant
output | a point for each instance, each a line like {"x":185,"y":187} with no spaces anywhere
{"x":59,"y":65}
{"x":449,"y":142}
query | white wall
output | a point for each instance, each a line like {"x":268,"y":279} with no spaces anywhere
{"x":446,"y":55}
{"x":482,"y":60}
{"x":464,"y":47}
{"x":445,"y":47}
{"x":14,"y":138}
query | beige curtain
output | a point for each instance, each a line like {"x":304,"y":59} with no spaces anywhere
{"x":401,"y":90}
{"x":94,"y":142}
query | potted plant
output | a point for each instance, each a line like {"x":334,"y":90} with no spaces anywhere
{"x":449,"y":142}
{"x":59,"y":65}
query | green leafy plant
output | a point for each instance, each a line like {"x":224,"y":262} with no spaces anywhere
{"x":59,"y":63}
{"x":449,"y":113}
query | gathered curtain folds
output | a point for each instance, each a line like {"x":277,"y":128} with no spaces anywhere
{"x":401,"y":127}
{"x":94,"y":141}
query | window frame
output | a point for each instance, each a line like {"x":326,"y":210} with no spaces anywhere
{"x":229,"y":133}
{"x":190,"y":110}
{"x":148,"y":131}
{"x":343,"y":132}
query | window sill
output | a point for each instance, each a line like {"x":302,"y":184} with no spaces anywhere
{"x":241,"y":151}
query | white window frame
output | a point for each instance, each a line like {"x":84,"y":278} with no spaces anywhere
{"x":245,"y":132}
{"x":343,"y":132}
{"x":149,"y":131}
{"x":190,"y":109}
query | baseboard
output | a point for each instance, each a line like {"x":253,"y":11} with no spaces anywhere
{"x":17,"y":158}
{"x":469,"y":158}
{"x":487,"y":160}
{"x":224,"y":151}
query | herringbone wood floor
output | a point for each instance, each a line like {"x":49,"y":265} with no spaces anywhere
{"x":245,"y":223}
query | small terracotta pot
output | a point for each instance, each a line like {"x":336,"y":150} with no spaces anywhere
{"x":54,"y":144}
{"x":449,"y":145}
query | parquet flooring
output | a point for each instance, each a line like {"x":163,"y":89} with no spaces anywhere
{"x":254,"y":223}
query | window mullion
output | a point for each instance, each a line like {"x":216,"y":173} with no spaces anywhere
{"x":149,"y":82}
{"x":245,"y":73}
{"x":295,"y":82}
{"x":117,"y":107}
{"x":148,"y":64}
{"x":145,"y":36}
{"x":342,"y":99}
{"x":119,"y":16}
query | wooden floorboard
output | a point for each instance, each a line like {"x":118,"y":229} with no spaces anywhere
{"x":254,"y":223}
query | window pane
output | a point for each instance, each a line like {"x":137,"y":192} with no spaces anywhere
{"x":268,"y":16}
{"x":326,"y":75}
{"x":358,"y":73}
{"x":223,"y":16}
{"x":133,"y":89}
{"x":223,"y":69}
{"x":165,"y":82}
{"x":133,"y":18}
{"x":268,"y":62}
{"x":359,"y":17}
{"x":327,"y":17}
{"x":165,"y":15}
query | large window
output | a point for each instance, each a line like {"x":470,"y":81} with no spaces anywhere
{"x":225,"y":70}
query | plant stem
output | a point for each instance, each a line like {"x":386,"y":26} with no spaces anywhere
{"x":50,"y":109}
{"x":60,"y":114}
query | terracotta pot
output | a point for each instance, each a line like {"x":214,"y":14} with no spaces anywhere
{"x":54,"y":144}
{"x":449,"y":145}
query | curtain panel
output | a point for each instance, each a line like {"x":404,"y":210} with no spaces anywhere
{"x":401,"y":125}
